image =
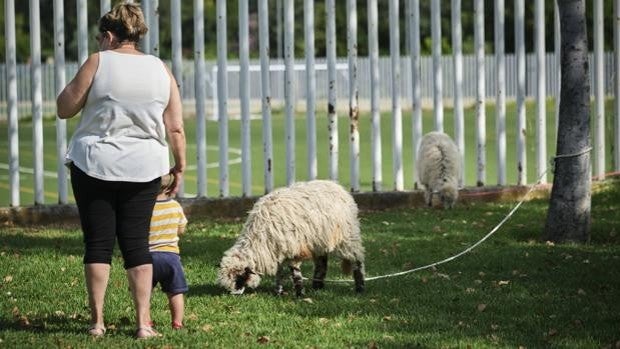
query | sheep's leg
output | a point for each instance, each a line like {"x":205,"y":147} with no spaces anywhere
{"x":428,"y":197}
{"x":279,"y":289}
{"x":358,"y":276}
{"x":298,"y":279}
{"x":320,"y":270}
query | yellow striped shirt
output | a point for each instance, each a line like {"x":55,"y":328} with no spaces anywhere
{"x":167,"y":219}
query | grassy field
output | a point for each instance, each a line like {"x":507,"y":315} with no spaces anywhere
{"x":513,"y":291}
{"x":279,"y":151}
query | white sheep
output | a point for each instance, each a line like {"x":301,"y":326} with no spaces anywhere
{"x":438,"y":164}
{"x":307,"y":220}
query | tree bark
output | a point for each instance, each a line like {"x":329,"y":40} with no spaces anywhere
{"x":568,"y":217}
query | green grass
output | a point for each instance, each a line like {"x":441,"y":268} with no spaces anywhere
{"x":279,"y":151}
{"x":512,"y":291}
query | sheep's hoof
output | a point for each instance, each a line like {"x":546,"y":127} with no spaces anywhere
{"x":300,"y":293}
{"x":279,"y":291}
{"x":360,"y":289}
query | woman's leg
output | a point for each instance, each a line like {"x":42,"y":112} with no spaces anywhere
{"x":97,"y":275}
{"x":135,"y":208}
{"x":140,"y":278}
{"x":95,"y":201}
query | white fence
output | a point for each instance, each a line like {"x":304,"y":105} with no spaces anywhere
{"x":478,"y":77}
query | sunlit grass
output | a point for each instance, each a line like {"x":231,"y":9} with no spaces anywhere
{"x":513,"y":290}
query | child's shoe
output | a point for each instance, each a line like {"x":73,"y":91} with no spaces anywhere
{"x":177,"y":325}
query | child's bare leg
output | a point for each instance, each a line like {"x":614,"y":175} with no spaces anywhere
{"x":176,"y":303}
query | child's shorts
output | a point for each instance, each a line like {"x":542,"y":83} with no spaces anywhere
{"x":168,"y":272}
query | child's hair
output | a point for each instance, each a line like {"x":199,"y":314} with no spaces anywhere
{"x":167,"y":181}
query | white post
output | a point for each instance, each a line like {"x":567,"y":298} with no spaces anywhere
{"x":500,"y":96}
{"x":332,"y":117}
{"x":437,"y":71}
{"x":153,"y":32}
{"x":480,"y":93}
{"x":244,"y":96}
{"x":541,"y":110}
{"x":200,"y":92}
{"x":599,"y":92}
{"x":289,"y":88}
{"x":11,"y":83}
{"x":263,"y":29}
{"x":375,"y":113}
{"x":59,"y":83}
{"x":177,"y":55}
{"x":457,"y":55}
{"x":521,"y":121}
{"x":104,"y":7}
{"x":145,"y":43}
{"x":222,"y":94}
{"x":310,"y":89}
{"x":397,"y":122}
{"x":416,"y":98}
{"x":354,"y":137}
{"x":36,"y":88}
{"x":616,"y":26}
{"x":82,"y":31}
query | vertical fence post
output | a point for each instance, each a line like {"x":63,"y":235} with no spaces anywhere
{"x":59,"y":83}
{"x":397,"y":123}
{"x":177,"y":57}
{"x":500,"y":93}
{"x":104,"y":7}
{"x":145,"y":42}
{"x":263,"y":30}
{"x":310,"y":88}
{"x":82,"y":31}
{"x":36,"y":89}
{"x":437,"y":70}
{"x":521,"y":121}
{"x":200,"y":92}
{"x":11,"y":83}
{"x":541,"y":110}
{"x":289,"y":88}
{"x":153,"y":32}
{"x":416,"y":91}
{"x":599,"y":92}
{"x":457,"y":56}
{"x":244,"y":96}
{"x":616,"y":26}
{"x":332,"y":116}
{"x":222,"y":94}
{"x":480,"y":93}
{"x":375,"y":113}
{"x":354,"y":137}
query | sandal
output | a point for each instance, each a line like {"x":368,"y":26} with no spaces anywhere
{"x":96,"y":330}
{"x":146,"y":332}
{"x":177,"y":325}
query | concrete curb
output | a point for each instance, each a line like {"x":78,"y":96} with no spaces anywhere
{"x":237,"y":207}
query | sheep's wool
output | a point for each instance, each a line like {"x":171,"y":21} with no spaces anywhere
{"x":439,"y":167}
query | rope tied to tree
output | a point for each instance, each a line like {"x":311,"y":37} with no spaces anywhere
{"x":564,"y":156}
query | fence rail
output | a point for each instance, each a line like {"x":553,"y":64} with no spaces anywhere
{"x":211,"y":88}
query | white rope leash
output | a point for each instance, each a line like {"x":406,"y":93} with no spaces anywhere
{"x":493,"y":231}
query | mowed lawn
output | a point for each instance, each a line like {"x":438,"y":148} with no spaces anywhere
{"x":512,"y":291}
{"x":301,"y":172}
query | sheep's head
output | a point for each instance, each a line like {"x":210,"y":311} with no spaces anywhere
{"x":448,"y":194}
{"x":235,"y":276}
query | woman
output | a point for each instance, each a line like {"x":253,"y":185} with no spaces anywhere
{"x":118,"y":153}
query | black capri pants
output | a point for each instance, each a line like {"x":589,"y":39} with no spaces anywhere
{"x":111,"y":210}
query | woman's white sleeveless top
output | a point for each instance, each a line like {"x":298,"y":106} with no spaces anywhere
{"x":121,"y":134}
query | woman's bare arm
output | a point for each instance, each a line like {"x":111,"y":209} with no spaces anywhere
{"x":72,"y":98}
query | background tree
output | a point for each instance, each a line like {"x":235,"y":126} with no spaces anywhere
{"x":568,"y":218}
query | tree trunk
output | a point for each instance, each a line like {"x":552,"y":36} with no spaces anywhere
{"x":568,"y":218}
